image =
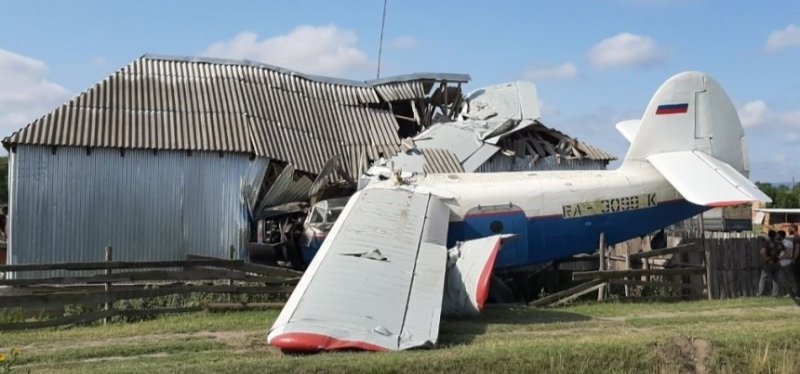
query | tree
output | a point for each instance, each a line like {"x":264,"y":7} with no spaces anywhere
{"x":782,"y":196}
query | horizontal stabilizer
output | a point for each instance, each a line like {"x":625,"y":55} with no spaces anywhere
{"x":629,"y":128}
{"x":377,"y":281}
{"x":468,"y":276}
{"x":704,"y":180}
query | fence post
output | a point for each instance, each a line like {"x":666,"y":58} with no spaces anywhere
{"x":108,"y":257}
{"x":627,"y":267}
{"x":601,"y":292}
{"x":231,"y":256}
{"x":707,"y":259}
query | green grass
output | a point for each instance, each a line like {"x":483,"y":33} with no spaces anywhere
{"x":742,"y":335}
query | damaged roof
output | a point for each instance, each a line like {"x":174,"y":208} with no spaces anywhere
{"x":205,"y":104}
{"x":504,"y":117}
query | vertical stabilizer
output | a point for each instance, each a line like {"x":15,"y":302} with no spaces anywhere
{"x":691,"y":112}
{"x":692,"y":135}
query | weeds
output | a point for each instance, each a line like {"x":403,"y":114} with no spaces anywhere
{"x":7,"y":360}
{"x":11,"y":315}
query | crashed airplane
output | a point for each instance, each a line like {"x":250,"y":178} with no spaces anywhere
{"x":408,"y":248}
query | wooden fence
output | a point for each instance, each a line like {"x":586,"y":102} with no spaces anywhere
{"x":733,"y":262}
{"x":715,"y":266}
{"x":734,"y":266}
{"x":113,"y":281}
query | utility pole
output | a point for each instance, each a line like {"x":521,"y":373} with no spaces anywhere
{"x":380,"y":44}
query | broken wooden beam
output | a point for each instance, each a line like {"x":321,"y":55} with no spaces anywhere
{"x":667,"y":251}
{"x":549,"y":299}
{"x":567,"y":299}
{"x":632,"y":282}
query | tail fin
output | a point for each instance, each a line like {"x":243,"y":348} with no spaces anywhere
{"x":691,"y":133}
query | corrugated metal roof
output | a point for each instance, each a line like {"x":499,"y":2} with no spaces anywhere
{"x":285,"y":189}
{"x":173,"y":103}
{"x":401,"y":90}
{"x":440,"y":161}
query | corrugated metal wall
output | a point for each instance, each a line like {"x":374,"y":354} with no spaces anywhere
{"x":68,"y":206}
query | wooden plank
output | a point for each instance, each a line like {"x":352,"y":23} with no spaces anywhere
{"x":558,"y":295}
{"x":614,"y":274}
{"x":251,"y":268}
{"x":579,"y":294}
{"x":633,"y":282}
{"x":628,"y":267}
{"x":539,"y":149}
{"x":107,"y":285}
{"x":100,"y":296}
{"x":667,"y":251}
{"x":601,"y":291}
{"x":119,"y":265}
{"x":139,"y":276}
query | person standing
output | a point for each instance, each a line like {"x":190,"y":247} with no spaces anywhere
{"x":768,"y":252}
{"x":793,"y":241}
{"x":786,"y":261}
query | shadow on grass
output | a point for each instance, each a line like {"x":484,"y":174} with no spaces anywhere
{"x":456,"y":331}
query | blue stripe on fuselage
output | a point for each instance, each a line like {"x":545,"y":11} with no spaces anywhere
{"x":547,"y":238}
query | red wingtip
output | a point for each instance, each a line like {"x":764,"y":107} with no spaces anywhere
{"x":310,"y":342}
{"x":483,"y":283}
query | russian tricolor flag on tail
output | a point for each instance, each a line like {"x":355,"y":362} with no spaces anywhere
{"x":672,"y":109}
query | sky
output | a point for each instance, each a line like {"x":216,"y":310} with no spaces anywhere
{"x":594,"y":62}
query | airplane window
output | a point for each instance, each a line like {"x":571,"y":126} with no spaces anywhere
{"x":496,"y":227}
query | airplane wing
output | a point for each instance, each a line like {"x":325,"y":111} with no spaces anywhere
{"x":377,"y":281}
{"x":704,"y":180}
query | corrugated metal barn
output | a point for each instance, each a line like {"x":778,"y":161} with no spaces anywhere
{"x":167,"y":156}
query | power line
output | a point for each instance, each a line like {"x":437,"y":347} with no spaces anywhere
{"x":380,"y":45}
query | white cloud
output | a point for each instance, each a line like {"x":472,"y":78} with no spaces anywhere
{"x":25,"y":92}
{"x":404,"y":42}
{"x":770,"y":133}
{"x":757,"y":113}
{"x":786,"y":38}
{"x":753,"y":113}
{"x":326,"y":50}
{"x":626,"y":49}
{"x":548,"y":109}
{"x":99,"y":61}
{"x":566,"y":70}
